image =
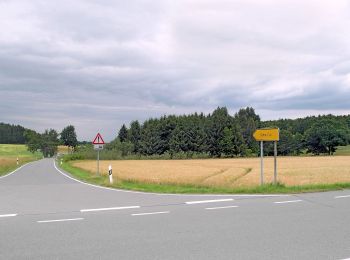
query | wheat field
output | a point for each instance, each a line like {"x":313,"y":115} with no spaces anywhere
{"x":243,"y":172}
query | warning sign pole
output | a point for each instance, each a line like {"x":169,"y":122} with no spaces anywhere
{"x":98,"y":162}
{"x":98,"y":145}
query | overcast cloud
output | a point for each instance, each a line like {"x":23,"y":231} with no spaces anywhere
{"x":98,"y":64}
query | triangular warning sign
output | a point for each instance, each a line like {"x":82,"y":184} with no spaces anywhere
{"x":98,"y":139}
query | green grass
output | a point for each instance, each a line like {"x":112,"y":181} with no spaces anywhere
{"x":16,"y":150}
{"x":343,"y":150}
{"x":193,"y":189}
{"x":9,"y":153}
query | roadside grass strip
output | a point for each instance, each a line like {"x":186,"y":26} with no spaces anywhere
{"x":136,"y":186}
{"x":150,"y":213}
{"x":59,"y":220}
{"x":287,"y":201}
{"x":226,"y":207}
{"x":342,"y":197}
{"x":107,"y":209}
{"x":8,"y":215}
{"x":206,"y":201}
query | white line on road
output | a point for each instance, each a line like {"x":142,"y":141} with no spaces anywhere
{"x":151,"y":213}
{"x":227,"y":207}
{"x":341,"y":197}
{"x":207,"y":201}
{"x":287,"y":201}
{"x":105,"y":209}
{"x":7,"y":175}
{"x":8,"y":215}
{"x":60,"y":220}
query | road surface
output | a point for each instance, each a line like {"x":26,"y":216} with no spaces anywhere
{"x":44,"y":214}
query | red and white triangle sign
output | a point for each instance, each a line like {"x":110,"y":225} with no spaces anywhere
{"x":98,"y":139}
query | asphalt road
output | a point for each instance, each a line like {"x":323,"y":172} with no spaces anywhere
{"x":46,"y":215}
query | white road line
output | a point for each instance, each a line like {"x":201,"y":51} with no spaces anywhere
{"x":59,"y":220}
{"x":8,"y":215}
{"x":151,"y":213}
{"x":340,"y":197}
{"x":8,"y":174}
{"x":287,"y":201}
{"x":172,"y":194}
{"x":227,"y":207}
{"x":105,"y":209}
{"x":207,"y":201}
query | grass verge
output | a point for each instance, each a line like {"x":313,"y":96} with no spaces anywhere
{"x":9,"y":154}
{"x":279,"y":188}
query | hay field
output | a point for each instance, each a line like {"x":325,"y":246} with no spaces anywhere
{"x":243,"y":172}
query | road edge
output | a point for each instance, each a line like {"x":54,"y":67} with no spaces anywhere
{"x":17,"y":169}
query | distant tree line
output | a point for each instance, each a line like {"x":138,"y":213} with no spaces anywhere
{"x":12,"y":134}
{"x":220,"y":134}
{"x":46,"y":142}
{"x":217,"y":134}
{"x":49,"y":141}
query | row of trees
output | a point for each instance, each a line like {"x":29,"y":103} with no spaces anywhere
{"x":12,"y":134}
{"x":220,"y":134}
{"x":49,"y":141}
{"x":217,"y":134}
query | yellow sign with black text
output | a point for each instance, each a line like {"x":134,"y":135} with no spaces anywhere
{"x":267,"y":134}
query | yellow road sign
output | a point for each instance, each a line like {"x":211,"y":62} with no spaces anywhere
{"x":267,"y":134}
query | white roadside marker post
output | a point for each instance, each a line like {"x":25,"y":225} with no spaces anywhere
{"x":17,"y":161}
{"x":110,"y":174}
{"x":61,"y":161}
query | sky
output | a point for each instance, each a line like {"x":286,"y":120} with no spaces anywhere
{"x":99,"y":64}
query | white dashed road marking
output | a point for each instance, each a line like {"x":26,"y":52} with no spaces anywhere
{"x":106,"y":209}
{"x":8,"y":215}
{"x":341,"y":197}
{"x":151,"y":213}
{"x":227,"y":207}
{"x":287,"y":201}
{"x":207,"y":201}
{"x":59,"y":220}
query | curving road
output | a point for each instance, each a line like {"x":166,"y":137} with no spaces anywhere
{"x":45,"y":214}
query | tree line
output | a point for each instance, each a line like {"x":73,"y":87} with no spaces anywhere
{"x":217,"y":134}
{"x":12,"y":134}
{"x":220,"y":134}
{"x":49,"y":141}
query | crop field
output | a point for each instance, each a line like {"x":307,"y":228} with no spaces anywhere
{"x":9,"y":154}
{"x":228,"y":172}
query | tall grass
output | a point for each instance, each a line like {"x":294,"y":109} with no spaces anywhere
{"x":9,"y":154}
{"x":129,"y":184}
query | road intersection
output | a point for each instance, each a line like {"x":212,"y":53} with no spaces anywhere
{"x":46,"y":214}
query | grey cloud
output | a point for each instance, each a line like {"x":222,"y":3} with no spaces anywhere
{"x":98,"y":64}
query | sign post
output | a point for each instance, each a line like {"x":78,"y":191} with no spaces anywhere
{"x":267,"y":134}
{"x":275,"y":163}
{"x":261,"y":162}
{"x":98,"y":145}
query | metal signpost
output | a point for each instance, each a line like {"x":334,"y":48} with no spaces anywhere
{"x":98,"y":145}
{"x":267,"y":134}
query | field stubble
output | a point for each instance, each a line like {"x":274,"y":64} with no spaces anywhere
{"x":230,"y":173}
